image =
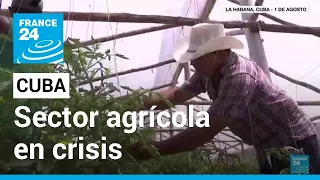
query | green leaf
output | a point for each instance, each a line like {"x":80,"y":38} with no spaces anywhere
{"x":154,"y":153}
{"x":6,"y":52}
{"x":4,"y":85}
{"x":285,"y":171}
{"x":121,"y":56}
{"x":76,"y":42}
{"x":146,"y":133}
{"x":149,"y":95}
{"x":112,"y":87}
{"x":168,"y":103}
{"x":126,"y":88}
{"x":87,"y":48}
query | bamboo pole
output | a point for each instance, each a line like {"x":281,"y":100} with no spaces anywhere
{"x":127,"y":72}
{"x":242,"y":150}
{"x":201,"y":98}
{"x":176,"y":75}
{"x":301,"y":83}
{"x":160,"y":87}
{"x":144,"y":31}
{"x":126,"y":34}
{"x":276,"y":19}
{"x":254,"y":41}
{"x":255,"y":16}
{"x":182,"y":21}
{"x":236,"y":32}
{"x":187,"y":71}
{"x":229,"y":146}
{"x":151,"y":29}
{"x":256,"y":52}
{"x":230,"y":136}
{"x":300,"y":103}
{"x":308,"y":103}
{"x":304,"y":84}
{"x":173,"y":83}
{"x":207,"y":10}
{"x":315,"y":118}
{"x":234,"y":146}
{"x":226,"y":140}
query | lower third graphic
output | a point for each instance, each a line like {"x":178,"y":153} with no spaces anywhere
{"x":38,"y":38}
{"x":299,"y":164}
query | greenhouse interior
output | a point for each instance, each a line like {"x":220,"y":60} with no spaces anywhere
{"x":132,"y":44}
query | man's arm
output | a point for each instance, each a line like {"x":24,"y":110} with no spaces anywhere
{"x":191,"y":138}
{"x":234,"y":95}
{"x":191,"y":88}
{"x":175,"y":95}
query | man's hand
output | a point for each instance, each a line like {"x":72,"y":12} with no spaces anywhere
{"x":173,"y":94}
{"x":139,"y":151}
{"x":186,"y":140}
{"x":193,"y":137}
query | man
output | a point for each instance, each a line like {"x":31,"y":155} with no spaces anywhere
{"x":244,"y":99}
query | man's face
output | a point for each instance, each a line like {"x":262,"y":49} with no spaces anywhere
{"x":206,"y":65}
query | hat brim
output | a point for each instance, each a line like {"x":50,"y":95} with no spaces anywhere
{"x":181,"y":50}
{"x":181,"y":55}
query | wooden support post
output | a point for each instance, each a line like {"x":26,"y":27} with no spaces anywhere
{"x":254,"y":17}
{"x":173,"y":83}
{"x":207,"y":10}
{"x":257,"y":54}
{"x":236,"y":32}
{"x":315,"y":118}
{"x":256,"y":49}
{"x":187,"y":71}
{"x":176,"y":75}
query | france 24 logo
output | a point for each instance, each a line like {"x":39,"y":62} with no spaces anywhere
{"x":38,"y":38}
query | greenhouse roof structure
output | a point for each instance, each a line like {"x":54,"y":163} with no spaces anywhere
{"x":141,"y":35}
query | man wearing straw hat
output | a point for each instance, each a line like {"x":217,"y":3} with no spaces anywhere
{"x":244,"y":99}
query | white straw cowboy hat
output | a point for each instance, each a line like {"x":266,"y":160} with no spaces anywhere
{"x":204,"y":38}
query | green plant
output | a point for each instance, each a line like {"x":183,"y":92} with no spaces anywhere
{"x":83,"y":64}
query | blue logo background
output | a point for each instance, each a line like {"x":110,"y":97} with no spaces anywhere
{"x":299,"y":164}
{"x":38,"y":44}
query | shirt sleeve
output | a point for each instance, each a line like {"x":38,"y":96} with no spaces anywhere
{"x":235,"y":93}
{"x":195,"y":85}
